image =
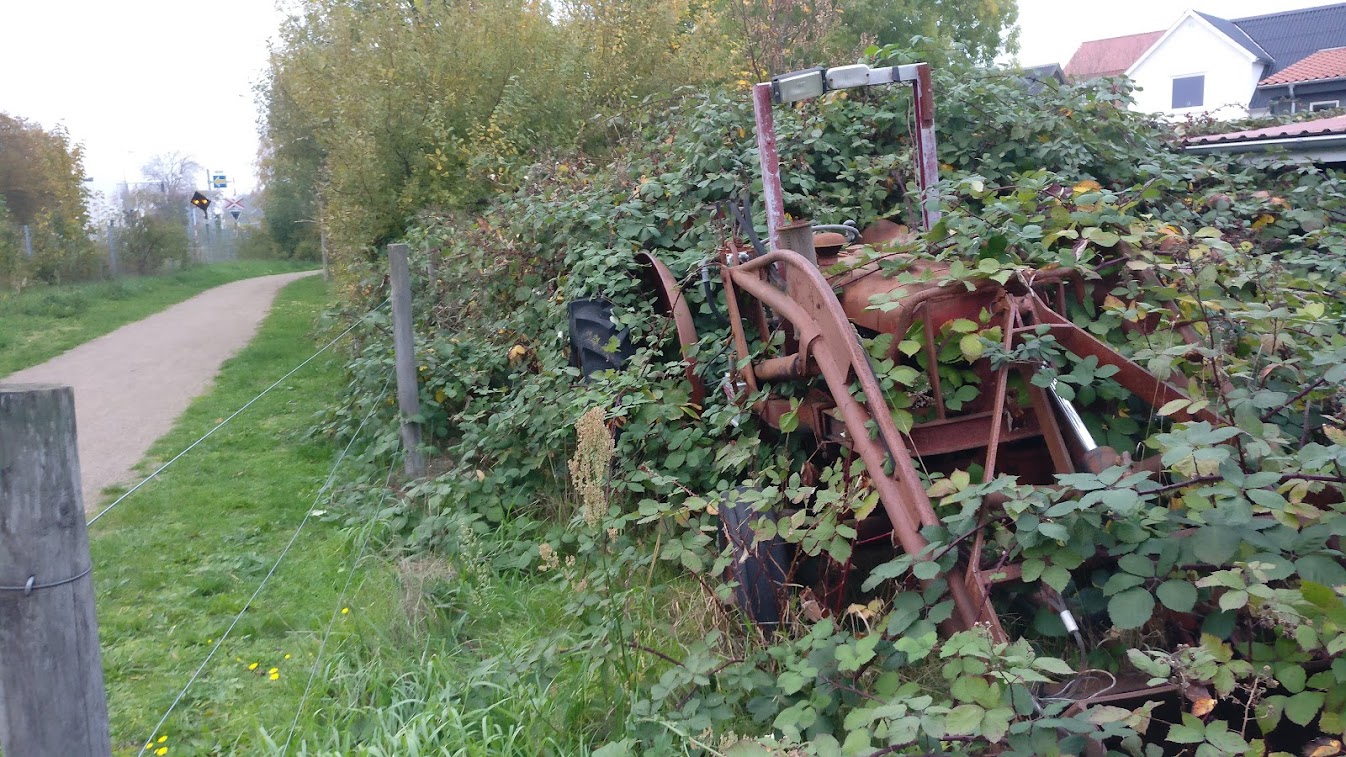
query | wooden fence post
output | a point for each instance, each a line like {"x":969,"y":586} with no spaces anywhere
{"x":404,"y":346}
{"x":52,"y":699}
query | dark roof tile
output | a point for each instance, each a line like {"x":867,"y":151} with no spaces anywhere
{"x":1232,"y":31}
{"x":1291,"y":36}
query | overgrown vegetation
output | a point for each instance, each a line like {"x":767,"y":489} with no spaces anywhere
{"x":1241,"y":531}
{"x":377,"y":111}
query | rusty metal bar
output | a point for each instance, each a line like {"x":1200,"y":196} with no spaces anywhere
{"x":927,"y":164}
{"x":769,"y":159}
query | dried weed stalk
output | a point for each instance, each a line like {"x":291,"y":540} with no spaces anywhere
{"x":590,"y":465}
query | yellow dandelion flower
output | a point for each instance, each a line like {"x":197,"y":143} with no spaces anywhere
{"x":162,"y":739}
{"x":345,"y":611}
{"x":252,"y":666}
{"x":287,"y":657}
{"x":161,"y":751}
{"x":275,"y":675}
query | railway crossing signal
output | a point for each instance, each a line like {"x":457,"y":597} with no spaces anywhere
{"x":202,"y":202}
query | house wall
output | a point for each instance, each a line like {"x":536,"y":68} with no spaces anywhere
{"x":1306,"y":94}
{"x":1195,"y":48}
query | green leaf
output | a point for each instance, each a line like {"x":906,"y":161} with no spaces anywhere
{"x":1291,"y":676}
{"x":1054,"y":666}
{"x":1173,"y":406}
{"x":1215,"y":544}
{"x":1303,"y":707}
{"x":1177,"y":595}
{"x":1321,"y":596}
{"x":1131,"y":608}
{"x":971,"y":346}
{"x":1185,"y":734}
{"x":963,"y":720}
{"x":1233,"y":599}
{"x":925,"y":569}
{"x":1321,"y":569}
{"x":1226,"y":741}
{"x":1054,"y":531}
{"x":1139,"y":565}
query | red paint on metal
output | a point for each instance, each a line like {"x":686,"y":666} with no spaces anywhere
{"x":770,"y":162}
{"x":668,"y":293}
{"x":927,"y":164}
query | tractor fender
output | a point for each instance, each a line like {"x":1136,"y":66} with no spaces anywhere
{"x":659,"y":281}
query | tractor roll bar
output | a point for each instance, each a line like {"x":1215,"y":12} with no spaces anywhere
{"x":813,"y":82}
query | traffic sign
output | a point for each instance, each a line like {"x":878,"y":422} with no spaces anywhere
{"x":218,"y":180}
{"x":235,"y":212}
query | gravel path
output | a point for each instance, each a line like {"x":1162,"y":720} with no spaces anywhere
{"x":130,"y":385}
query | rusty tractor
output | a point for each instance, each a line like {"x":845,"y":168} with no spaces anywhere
{"x":810,"y":292}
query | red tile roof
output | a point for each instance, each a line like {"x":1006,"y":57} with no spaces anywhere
{"x":1320,"y":127}
{"x":1109,"y":57}
{"x":1324,"y":64}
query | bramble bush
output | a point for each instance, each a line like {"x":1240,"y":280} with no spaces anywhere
{"x":1223,"y":576}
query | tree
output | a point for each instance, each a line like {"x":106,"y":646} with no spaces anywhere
{"x":974,"y":29}
{"x":42,"y":187}
{"x":170,"y":180}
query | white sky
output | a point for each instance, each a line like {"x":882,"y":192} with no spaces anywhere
{"x":137,"y":78}
{"x":134,"y":79}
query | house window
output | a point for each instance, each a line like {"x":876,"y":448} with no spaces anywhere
{"x":1324,"y":105}
{"x":1189,"y":91}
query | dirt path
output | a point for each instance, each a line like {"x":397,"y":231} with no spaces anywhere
{"x":130,"y":385}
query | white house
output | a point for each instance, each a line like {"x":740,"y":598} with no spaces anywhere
{"x":1278,"y":62}
{"x":1202,"y":64}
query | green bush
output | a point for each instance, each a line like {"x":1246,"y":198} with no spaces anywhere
{"x":1244,"y":535}
{"x":148,"y":244}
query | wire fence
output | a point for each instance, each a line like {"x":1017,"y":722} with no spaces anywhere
{"x":325,"y":490}
{"x":232,"y":416}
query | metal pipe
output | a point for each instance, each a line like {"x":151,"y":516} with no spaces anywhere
{"x":927,"y":164}
{"x":1073,"y":420}
{"x":769,"y":159}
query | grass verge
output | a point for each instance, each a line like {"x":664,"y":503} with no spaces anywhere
{"x":175,"y":562}
{"x":42,"y":322}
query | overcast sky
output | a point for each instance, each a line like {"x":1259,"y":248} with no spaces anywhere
{"x":134,"y":79}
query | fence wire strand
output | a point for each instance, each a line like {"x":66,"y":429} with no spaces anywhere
{"x":331,"y":476}
{"x":336,"y":611}
{"x":225,"y":422}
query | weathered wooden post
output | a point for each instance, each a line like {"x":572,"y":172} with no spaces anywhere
{"x":51,"y":673}
{"x":404,"y":346}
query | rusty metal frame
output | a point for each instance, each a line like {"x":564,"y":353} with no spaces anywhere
{"x":828,"y":347}
{"x":927,"y":173}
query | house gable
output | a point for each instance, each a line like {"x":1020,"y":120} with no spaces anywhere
{"x":1196,"y":67}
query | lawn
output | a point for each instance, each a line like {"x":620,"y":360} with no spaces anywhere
{"x":176,"y":561}
{"x":44,"y":321}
